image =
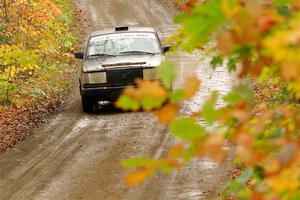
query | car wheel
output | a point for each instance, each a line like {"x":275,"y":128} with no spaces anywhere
{"x":87,"y":104}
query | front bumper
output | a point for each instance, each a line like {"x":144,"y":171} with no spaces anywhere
{"x":103,"y":93}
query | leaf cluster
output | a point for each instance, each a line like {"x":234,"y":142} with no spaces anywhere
{"x":260,"y":39}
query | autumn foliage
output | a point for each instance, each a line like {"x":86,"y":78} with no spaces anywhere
{"x":35,"y":38}
{"x":259,"y":40}
{"x":31,"y":34}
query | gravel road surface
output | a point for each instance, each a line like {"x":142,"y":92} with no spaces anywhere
{"x":77,"y":156}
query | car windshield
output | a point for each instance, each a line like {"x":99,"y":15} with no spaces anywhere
{"x":123,"y":44}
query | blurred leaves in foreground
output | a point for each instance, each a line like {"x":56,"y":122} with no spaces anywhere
{"x":259,"y":40}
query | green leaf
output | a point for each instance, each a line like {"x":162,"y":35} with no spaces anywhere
{"x":261,"y":143}
{"x":241,"y":92}
{"x":282,"y":2}
{"x":209,"y":113}
{"x":245,"y":176}
{"x":205,"y":19}
{"x":237,"y":186}
{"x":244,"y":50}
{"x":284,"y":10}
{"x":189,"y":153}
{"x":187,"y":128}
{"x":217,"y":61}
{"x":177,"y":96}
{"x":135,"y":162}
{"x":283,"y":95}
{"x":234,"y":187}
{"x":127,"y":103}
{"x":259,"y":172}
{"x":180,"y":17}
{"x":294,"y":196}
{"x":167,"y":73}
{"x":148,"y":103}
{"x":231,"y":65}
{"x":165,"y":167}
{"x":276,"y":132}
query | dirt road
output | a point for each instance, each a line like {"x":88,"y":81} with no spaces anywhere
{"x":76,"y":155}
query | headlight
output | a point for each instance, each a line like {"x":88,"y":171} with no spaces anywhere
{"x":151,"y":74}
{"x":92,"y":78}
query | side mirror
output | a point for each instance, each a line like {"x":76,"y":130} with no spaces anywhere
{"x":79,"y":55}
{"x":166,"y":49}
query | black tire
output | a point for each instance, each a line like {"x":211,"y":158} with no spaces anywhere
{"x":87,"y":104}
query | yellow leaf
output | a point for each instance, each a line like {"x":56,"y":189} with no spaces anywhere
{"x":295,"y":87}
{"x":32,"y":33}
{"x":7,"y":70}
{"x":12,"y":73}
{"x":230,"y":8}
{"x":169,"y":39}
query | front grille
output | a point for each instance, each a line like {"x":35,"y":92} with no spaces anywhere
{"x":123,"y":76}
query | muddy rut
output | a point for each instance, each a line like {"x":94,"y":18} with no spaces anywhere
{"x":77,"y":155}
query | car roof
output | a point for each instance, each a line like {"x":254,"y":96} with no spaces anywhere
{"x":128,"y":29}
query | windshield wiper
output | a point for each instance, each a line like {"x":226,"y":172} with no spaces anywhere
{"x":102,"y":54}
{"x":136,"y":52}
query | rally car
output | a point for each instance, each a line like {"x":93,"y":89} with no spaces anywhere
{"x":114,"y":59}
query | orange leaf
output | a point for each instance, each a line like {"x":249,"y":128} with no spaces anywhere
{"x":247,"y":155}
{"x":245,"y":139}
{"x":265,"y":23}
{"x":225,"y":43}
{"x":245,"y":69}
{"x":146,"y":88}
{"x":241,"y":112}
{"x":256,"y":70}
{"x":213,"y":147}
{"x":132,"y":92}
{"x":139,"y":176}
{"x":192,"y":85}
{"x":175,"y":151}
{"x":241,"y":115}
{"x":257,"y":196}
{"x":167,"y":113}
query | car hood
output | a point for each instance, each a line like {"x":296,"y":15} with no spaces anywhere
{"x":104,"y":63}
